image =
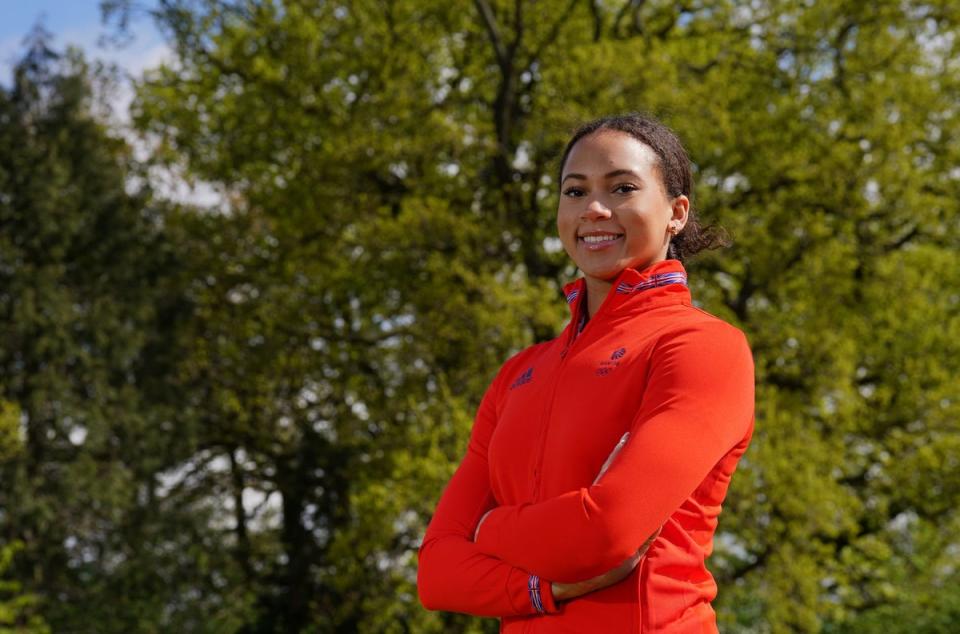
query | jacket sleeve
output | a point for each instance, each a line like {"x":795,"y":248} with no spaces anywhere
{"x":453,"y":573}
{"x":698,"y":404}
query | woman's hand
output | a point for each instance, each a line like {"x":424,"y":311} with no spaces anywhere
{"x":613,"y":454}
{"x":603,"y":469}
{"x":562,"y":591}
{"x":476,"y":531}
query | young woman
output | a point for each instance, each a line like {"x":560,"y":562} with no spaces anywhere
{"x":589,"y":494}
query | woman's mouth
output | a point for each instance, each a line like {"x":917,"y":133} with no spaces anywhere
{"x":599,"y":241}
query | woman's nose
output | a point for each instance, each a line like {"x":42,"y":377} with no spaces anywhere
{"x":595,"y":210}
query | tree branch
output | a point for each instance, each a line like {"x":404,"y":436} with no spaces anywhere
{"x":493,"y":31}
{"x":554,"y":32}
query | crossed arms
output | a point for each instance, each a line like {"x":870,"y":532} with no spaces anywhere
{"x":698,"y":403}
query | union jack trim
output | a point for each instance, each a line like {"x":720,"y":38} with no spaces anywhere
{"x":660,"y":279}
{"x":573,"y":295}
{"x":533,"y":587}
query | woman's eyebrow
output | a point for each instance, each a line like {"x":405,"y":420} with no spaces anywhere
{"x":613,"y":174}
{"x":621,"y":172}
{"x":577,"y":176}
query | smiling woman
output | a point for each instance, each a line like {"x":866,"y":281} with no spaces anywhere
{"x":614,"y":213}
{"x":589,"y":494}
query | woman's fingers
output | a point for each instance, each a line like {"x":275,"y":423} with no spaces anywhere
{"x":564,"y":591}
{"x":476,"y":531}
{"x":617,"y":574}
{"x":609,"y":460}
{"x":646,"y":545}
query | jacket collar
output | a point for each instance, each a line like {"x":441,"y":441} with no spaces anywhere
{"x":663,"y":282}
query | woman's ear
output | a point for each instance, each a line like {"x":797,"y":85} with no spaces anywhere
{"x":681,"y":211}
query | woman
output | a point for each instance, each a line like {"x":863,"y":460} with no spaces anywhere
{"x":549,"y":523}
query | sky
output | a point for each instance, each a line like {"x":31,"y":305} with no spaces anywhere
{"x":76,"y":22}
{"x":79,"y":22}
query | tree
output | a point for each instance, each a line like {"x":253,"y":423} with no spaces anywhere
{"x":85,"y":272}
{"x":384,"y":242}
{"x":17,"y":609}
{"x":821,"y":136}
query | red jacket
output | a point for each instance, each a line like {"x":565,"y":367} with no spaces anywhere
{"x":681,"y":382}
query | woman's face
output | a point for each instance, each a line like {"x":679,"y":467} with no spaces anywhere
{"x":614,"y":212}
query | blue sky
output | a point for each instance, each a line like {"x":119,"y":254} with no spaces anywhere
{"x":60,"y":14}
{"x":78,"y":22}
{"x":75,"y":22}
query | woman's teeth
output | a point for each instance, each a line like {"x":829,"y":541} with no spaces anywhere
{"x":596,"y":239}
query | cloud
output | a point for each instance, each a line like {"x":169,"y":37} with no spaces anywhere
{"x":144,"y":51}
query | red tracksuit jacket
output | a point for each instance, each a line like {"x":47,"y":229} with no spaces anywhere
{"x":681,"y":382}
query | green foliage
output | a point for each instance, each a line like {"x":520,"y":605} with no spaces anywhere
{"x":18,"y":612}
{"x":10,"y":442}
{"x":82,"y":268}
{"x":239,"y":419}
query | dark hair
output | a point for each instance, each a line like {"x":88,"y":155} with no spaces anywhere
{"x":674,"y":167}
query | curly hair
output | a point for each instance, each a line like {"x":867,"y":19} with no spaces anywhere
{"x":673,"y":165}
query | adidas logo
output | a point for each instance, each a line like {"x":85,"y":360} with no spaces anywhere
{"x":523,"y":379}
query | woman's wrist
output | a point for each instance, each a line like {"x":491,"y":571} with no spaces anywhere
{"x":566,"y":591}
{"x":556,"y":591}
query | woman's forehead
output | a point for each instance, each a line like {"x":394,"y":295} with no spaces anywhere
{"x":609,"y":150}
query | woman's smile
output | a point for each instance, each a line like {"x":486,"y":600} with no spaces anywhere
{"x":614,"y":212}
{"x":599,"y":241}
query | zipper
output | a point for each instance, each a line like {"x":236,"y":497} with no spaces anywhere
{"x":545,"y":421}
{"x":572,"y":338}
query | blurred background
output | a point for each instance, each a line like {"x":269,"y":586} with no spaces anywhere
{"x":259,"y":260}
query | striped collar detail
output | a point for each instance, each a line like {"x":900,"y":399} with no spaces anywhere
{"x":664,"y":282}
{"x":660,"y":279}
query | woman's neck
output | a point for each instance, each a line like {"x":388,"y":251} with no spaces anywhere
{"x":596,"y":292}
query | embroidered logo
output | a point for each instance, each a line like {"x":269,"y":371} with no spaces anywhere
{"x":606,"y":367}
{"x":523,"y":379}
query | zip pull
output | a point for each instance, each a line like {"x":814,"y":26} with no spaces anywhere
{"x":576,"y":330}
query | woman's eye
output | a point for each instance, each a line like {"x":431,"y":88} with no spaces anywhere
{"x":573,"y":192}
{"x":625,"y":188}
